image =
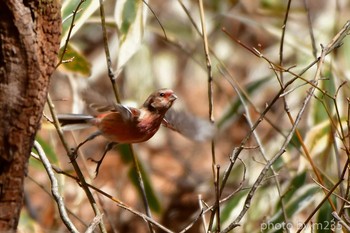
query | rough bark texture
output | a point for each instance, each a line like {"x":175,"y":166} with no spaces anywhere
{"x":29,"y":42}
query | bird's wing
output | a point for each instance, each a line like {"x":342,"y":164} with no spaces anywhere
{"x":190,"y":126}
{"x":127,"y":113}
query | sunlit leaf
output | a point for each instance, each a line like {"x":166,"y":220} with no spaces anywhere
{"x":317,"y":138}
{"x":236,"y":104}
{"x":232,"y":205}
{"x":301,"y":199}
{"x":49,"y":151}
{"x":324,"y":102}
{"x":27,"y":223}
{"x":130,"y":17}
{"x":85,"y":11}
{"x":76,"y":62}
{"x":151,"y":196}
{"x":296,"y":183}
{"x":325,"y":221}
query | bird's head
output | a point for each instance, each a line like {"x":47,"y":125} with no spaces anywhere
{"x":160,"y":100}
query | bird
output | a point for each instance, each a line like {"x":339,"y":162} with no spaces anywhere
{"x":121,"y":124}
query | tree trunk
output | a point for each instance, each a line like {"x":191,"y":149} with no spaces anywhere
{"x":29,"y":43}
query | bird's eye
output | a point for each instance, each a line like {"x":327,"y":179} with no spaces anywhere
{"x":161,"y":94}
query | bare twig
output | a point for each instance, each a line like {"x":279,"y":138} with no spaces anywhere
{"x":74,"y":162}
{"x":115,"y":200}
{"x":232,"y":82}
{"x":97,"y":219}
{"x":337,"y":40}
{"x":210,"y":98}
{"x":217,"y":197}
{"x":284,"y":26}
{"x":200,"y":202}
{"x":44,"y":189}
{"x":267,"y":167}
{"x":54,"y":189}
{"x":335,"y":43}
{"x":192,"y":223}
{"x":318,"y":206}
{"x":116,"y":93}
{"x":323,"y":187}
{"x":313,"y":41}
{"x":77,"y":9}
{"x":142,"y":185}
{"x":240,"y":186}
{"x":155,"y":15}
{"x":336,"y":216}
{"x":108,"y":56}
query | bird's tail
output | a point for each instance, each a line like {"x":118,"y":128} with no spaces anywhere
{"x":74,"y":121}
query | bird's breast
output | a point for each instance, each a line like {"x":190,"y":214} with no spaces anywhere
{"x":129,"y":131}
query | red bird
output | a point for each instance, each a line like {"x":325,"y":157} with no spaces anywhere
{"x":121,"y":124}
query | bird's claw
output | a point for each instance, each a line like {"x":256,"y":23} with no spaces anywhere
{"x":98,"y":162}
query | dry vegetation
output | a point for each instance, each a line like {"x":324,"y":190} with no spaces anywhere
{"x":280,"y":100}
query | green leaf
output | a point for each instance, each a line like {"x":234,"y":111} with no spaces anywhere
{"x":325,"y":221}
{"x":297,"y":182}
{"x":49,"y":151}
{"x":124,"y":150}
{"x":86,"y":9}
{"x":126,"y":156}
{"x":130,"y":17}
{"x":320,"y":113}
{"x":129,"y":13}
{"x":301,"y":199}
{"x":236,"y":104}
{"x":77,"y":64}
{"x":27,"y":223}
{"x":317,"y":138}
{"x":152,"y":198}
{"x":231,"y":205}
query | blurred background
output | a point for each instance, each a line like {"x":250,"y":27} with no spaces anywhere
{"x":159,"y":45}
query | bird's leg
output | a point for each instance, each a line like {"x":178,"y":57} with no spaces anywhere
{"x":108,"y":147}
{"x":92,"y":136}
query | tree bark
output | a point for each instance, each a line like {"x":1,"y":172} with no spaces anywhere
{"x":29,"y":43}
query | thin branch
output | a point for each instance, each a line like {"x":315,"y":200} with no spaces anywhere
{"x":97,"y":219}
{"x":232,"y":82}
{"x":239,"y":149}
{"x":192,"y":223}
{"x":142,"y":185}
{"x":108,"y":56}
{"x":75,"y":12}
{"x":337,"y":40}
{"x":54,"y":189}
{"x":155,"y":15}
{"x":200,"y":202}
{"x":44,"y":189}
{"x":210,"y":100}
{"x":318,"y":207}
{"x":240,"y":186}
{"x":74,"y":162}
{"x":268,"y":165}
{"x":336,"y":216}
{"x":115,"y":200}
{"x":116,"y":93}
{"x":326,"y":189}
{"x":217,"y":197}
{"x":284,"y":26}
{"x":313,"y":41}
{"x":190,"y":17}
{"x":345,"y":169}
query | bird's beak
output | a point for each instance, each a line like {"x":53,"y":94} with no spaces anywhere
{"x":173,"y":97}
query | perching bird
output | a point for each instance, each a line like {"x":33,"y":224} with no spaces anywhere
{"x":123,"y":125}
